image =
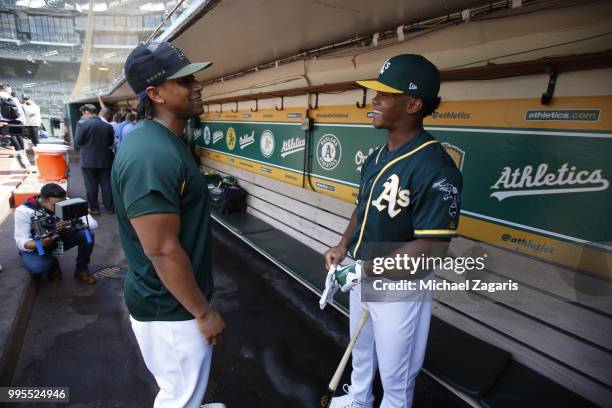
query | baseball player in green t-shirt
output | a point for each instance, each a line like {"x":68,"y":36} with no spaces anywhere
{"x":161,"y":202}
{"x":408,"y":194}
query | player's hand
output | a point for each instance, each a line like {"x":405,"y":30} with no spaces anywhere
{"x":48,"y":240}
{"x":61,"y":225}
{"x":331,"y":287}
{"x":211,"y":326}
{"x":349,"y":275}
{"x":334,"y":255}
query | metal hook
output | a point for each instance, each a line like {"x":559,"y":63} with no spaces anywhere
{"x":363,"y":101}
{"x":282,"y":104}
{"x":550,"y":89}
{"x":256,"y":106}
{"x":235,"y":111}
{"x":316,"y":105}
{"x":220,"y":108}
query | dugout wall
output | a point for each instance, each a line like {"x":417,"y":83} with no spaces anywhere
{"x":536,"y":175}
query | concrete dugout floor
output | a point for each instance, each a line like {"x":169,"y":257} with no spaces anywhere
{"x":279,"y":349}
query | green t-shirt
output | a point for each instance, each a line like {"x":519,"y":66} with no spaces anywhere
{"x":412,"y":192}
{"x":155,"y":173}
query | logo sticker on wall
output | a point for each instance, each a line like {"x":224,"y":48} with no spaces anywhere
{"x":247,"y":140}
{"x":217,"y":135}
{"x":455,"y":153}
{"x":197,"y":133}
{"x":540,"y":180}
{"x":360,"y":158}
{"x":206,"y":135}
{"x":329,"y":152}
{"x":293,"y":145}
{"x":231,"y":138}
{"x":266,"y":143}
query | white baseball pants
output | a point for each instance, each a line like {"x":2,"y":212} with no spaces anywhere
{"x":393,"y":340}
{"x":179,"y":358}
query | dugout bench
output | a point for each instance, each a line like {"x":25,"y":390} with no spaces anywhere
{"x":484,"y":372}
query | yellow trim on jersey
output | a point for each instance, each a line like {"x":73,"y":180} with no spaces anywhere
{"x":392,"y":162}
{"x":379,"y":86}
{"x":182,"y":187}
{"x":435,"y":232}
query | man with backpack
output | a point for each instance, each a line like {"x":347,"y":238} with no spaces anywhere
{"x":12,"y":118}
{"x":32,"y":118}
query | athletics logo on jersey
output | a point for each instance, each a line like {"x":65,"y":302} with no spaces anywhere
{"x":206,"y":135}
{"x":230,"y":138}
{"x":392,"y":197}
{"x":329,"y":152}
{"x":266,"y":143}
{"x":450,"y":193}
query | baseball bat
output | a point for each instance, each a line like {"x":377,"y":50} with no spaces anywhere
{"x":333,"y":384}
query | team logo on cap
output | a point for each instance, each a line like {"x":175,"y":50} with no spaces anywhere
{"x":412,"y":86}
{"x":156,"y":76}
{"x":266,"y":143}
{"x":230,"y":138}
{"x":329,"y":152}
{"x":206,"y":135}
{"x":385,"y":66}
{"x":180,"y":53}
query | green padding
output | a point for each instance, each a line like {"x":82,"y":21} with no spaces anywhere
{"x":464,"y":361}
{"x":522,"y":387}
{"x":297,"y":257}
{"x":242,"y":223}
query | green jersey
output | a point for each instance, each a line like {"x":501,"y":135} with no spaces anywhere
{"x":154,"y":173}
{"x":409,"y":193}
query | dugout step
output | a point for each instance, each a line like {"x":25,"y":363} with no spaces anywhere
{"x":523,"y":387}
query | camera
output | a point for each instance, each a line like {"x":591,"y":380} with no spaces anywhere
{"x":71,"y":210}
{"x":12,"y":129}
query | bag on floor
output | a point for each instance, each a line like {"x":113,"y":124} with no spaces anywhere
{"x":212,"y":179}
{"x":228,"y":197}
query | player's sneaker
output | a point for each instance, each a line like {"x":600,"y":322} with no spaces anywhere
{"x":345,"y":401}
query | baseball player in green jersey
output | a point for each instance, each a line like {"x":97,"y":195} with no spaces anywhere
{"x":161,"y":202}
{"x":408,"y":194}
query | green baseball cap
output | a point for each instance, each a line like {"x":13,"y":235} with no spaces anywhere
{"x":410,"y":74}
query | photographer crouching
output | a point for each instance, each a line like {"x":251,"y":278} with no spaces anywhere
{"x":48,"y":224}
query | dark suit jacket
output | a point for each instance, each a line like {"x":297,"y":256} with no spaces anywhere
{"x":95,"y":138}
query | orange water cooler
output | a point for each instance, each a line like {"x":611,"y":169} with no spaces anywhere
{"x":52,"y":162}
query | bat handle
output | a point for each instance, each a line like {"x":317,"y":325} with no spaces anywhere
{"x":333,"y":384}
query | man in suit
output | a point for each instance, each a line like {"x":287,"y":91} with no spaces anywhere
{"x":95,"y":139}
